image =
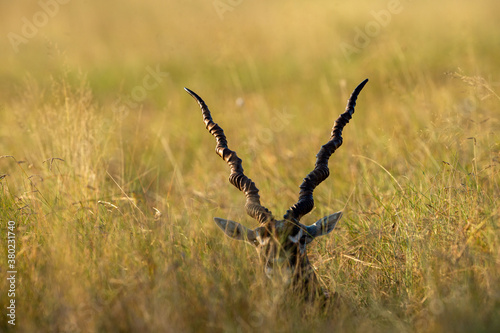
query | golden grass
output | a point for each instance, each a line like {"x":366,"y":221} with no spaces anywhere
{"x":114,"y":195}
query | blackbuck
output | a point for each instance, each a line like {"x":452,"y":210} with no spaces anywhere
{"x":281,"y":244}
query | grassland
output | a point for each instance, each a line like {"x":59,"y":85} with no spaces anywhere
{"x":113,"y":182}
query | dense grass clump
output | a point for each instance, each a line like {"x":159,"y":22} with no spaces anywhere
{"x":110,"y":176}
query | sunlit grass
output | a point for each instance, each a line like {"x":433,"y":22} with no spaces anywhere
{"x":114,"y":196}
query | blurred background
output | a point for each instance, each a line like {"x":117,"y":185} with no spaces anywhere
{"x":245,"y":46}
{"x":99,"y":142}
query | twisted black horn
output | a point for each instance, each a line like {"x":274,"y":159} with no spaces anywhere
{"x":237,"y":177}
{"x":306,"y":201}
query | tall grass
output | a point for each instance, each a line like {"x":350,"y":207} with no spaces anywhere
{"x":114,"y":197}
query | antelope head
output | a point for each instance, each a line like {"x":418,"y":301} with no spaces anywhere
{"x":281,"y":244}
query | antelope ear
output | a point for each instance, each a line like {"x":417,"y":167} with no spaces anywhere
{"x":324,"y":225}
{"x":235,"y":230}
